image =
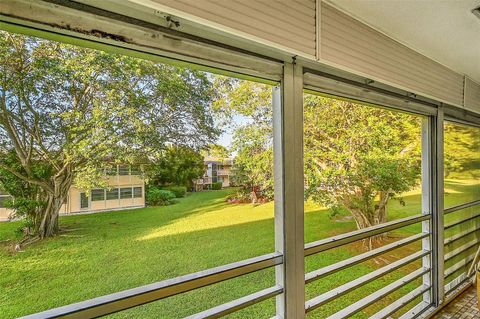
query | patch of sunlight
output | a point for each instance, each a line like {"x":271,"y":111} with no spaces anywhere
{"x":312,"y":207}
{"x":451,"y":191}
{"x":230,"y":215}
{"x":462,"y":181}
{"x":416,"y":191}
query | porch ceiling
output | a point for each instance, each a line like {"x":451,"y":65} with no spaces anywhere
{"x":443,"y":30}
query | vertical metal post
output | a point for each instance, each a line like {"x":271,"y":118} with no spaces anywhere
{"x":437,"y":220}
{"x":289,"y":219}
{"x":427,"y":191}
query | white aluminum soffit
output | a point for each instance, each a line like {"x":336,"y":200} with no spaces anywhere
{"x":86,"y":26}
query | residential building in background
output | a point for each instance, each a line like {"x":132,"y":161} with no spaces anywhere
{"x":216,"y":170}
{"x":126,"y":189}
{"x":4,"y":212}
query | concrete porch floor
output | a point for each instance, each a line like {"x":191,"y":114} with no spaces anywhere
{"x":464,"y":307}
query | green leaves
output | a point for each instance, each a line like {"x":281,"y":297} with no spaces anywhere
{"x":74,"y":106}
{"x":356,"y":155}
{"x":65,"y":111}
{"x":176,"y":165}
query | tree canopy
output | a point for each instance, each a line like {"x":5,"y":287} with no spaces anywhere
{"x":176,"y":165}
{"x":356,"y":157}
{"x":72,"y":108}
{"x":246,"y":107}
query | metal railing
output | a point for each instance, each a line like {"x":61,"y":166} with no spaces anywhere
{"x":126,"y":299}
{"x":348,"y":238}
{"x":344,"y":239}
{"x":463,"y":278}
{"x":123,"y":300}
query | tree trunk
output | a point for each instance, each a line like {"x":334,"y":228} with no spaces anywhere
{"x":367,"y":219}
{"x":48,"y":225}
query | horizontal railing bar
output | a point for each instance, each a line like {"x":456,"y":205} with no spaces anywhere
{"x":357,"y":283}
{"x":238,"y":304}
{"x":417,"y":310}
{"x":462,"y":263}
{"x":122,"y":300}
{"x":461,"y":221}
{"x":461,"y":235}
{"x":379,"y":294}
{"x":328,"y":270}
{"x":463,"y":278}
{"x":344,"y":239}
{"x":452,"y":209}
{"x":461,"y":249}
{"x":400,"y":303}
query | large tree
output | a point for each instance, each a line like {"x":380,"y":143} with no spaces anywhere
{"x":356,"y":157}
{"x":462,"y":149}
{"x":359,"y":157}
{"x":246,"y":108}
{"x":70,"y":108}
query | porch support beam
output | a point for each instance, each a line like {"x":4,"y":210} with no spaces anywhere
{"x":436,"y":181}
{"x":289,"y":219}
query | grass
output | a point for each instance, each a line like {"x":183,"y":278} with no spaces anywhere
{"x":108,"y":252}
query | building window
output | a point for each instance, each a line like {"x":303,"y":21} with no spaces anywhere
{"x":137,"y":192}
{"x":123,"y":170}
{"x":126,"y":193}
{"x":112,"y":194}
{"x":83,"y":201}
{"x":98,"y":194}
{"x":135,"y":170}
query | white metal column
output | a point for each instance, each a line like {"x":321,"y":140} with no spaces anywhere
{"x":289,"y":219}
{"x":437,"y":220}
{"x":427,"y":191}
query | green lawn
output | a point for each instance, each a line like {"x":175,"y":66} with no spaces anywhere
{"x":107,"y":252}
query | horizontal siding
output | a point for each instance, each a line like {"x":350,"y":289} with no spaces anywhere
{"x":287,"y":23}
{"x":350,"y":43}
{"x":472,"y":95}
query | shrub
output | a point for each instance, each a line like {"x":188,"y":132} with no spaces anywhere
{"x":178,"y":191}
{"x":159,"y":197}
{"x":217,"y":185}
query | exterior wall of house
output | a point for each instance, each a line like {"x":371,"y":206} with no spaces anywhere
{"x":321,"y":32}
{"x":126,"y":197}
{"x":5,"y":213}
{"x":223,"y":174}
{"x":290,"y":24}
{"x":472,"y":95}
{"x":131,"y":193}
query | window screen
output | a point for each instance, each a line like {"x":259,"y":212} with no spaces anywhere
{"x":83,"y":200}
{"x":125,"y":192}
{"x":98,"y":194}
{"x":137,"y":192}
{"x":112,"y":194}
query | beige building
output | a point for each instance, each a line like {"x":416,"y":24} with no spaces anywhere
{"x":216,"y":170}
{"x":126,"y":189}
{"x":4,"y":212}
